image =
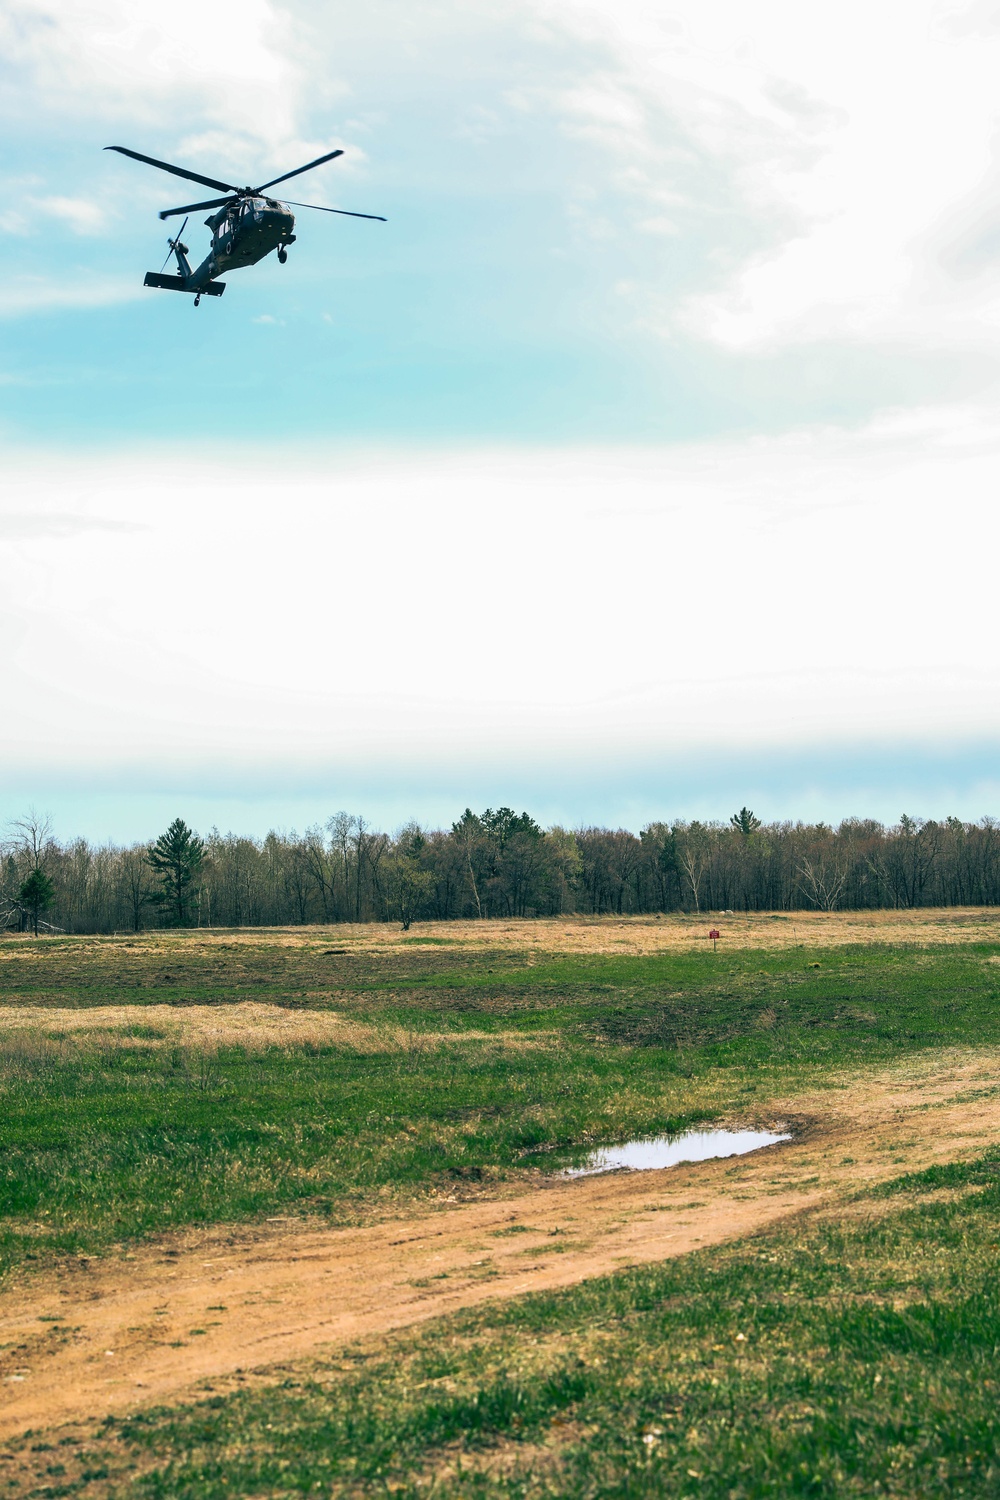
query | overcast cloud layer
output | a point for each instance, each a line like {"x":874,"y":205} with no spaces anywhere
{"x":657,"y":423}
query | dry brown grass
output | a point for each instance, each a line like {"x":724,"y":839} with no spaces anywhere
{"x":650,"y":934}
{"x":249,"y":1024}
{"x":573,"y":934}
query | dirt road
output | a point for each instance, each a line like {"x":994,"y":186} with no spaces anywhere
{"x":118,"y":1333}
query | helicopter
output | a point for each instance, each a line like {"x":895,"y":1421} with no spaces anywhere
{"x":247,"y":226}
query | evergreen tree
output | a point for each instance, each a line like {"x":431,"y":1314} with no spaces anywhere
{"x":35,"y":896}
{"x":176,"y":857}
{"x":745,"y":822}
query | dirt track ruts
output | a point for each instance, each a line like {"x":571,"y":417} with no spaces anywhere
{"x":80,"y":1341}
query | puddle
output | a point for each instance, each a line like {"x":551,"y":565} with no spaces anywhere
{"x":670,"y":1150}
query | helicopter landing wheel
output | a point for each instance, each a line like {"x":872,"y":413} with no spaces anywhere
{"x":282,"y":254}
{"x":197,"y":300}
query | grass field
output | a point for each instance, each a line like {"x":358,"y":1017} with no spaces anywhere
{"x":153,"y":1084}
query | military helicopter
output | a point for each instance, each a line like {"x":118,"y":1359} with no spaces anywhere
{"x":247,"y":227}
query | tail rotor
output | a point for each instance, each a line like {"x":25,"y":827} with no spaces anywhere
{"x":175,"y":245}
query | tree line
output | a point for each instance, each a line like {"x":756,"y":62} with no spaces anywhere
{"x":497,"y":863}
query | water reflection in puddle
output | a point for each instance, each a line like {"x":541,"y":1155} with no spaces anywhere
{"x":669,"y":1150}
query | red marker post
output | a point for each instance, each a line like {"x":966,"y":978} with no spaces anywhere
{"x":715,"y":935}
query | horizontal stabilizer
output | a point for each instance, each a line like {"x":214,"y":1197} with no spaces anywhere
{"x":178,"y":284}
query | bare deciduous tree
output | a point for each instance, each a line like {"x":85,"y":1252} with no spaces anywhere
{"x":502,"y":863}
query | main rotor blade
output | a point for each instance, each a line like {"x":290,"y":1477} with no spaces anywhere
{"x":151,"y":161}
{"x":307,"y":168}
{"x":192,"y":208}
{"x":320,"y":209}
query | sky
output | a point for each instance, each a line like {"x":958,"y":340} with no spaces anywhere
{"x":643,"y":464}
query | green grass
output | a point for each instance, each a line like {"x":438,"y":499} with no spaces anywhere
{"x":826,"y":1359}
{"x":102,"y":1145}
{"x":935,"y":988}
{"x":107,"y":1139}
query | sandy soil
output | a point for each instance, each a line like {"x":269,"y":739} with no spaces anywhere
{"x":114,"y":1334}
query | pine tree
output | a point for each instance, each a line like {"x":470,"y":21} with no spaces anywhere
{"x":176,"y":857}
{"x":745,"y":822}
{"x":35,"y":896}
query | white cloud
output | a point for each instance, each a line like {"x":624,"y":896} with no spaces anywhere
{"x":822,"y":175}
{"x":817,"y":587}
{"x":16,"y":526}
{"x":863,"y":133}
{"x":144,"y":66}
{"x":118,"y":54}
{"x":15,"y":221}
{"x":21,"y":294}
{"x":83,"y":216}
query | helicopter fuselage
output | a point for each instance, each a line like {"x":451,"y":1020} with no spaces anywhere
{"x":246,"y":226}
{"x":242,"y":234}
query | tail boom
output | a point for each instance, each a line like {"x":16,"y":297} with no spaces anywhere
{"x":182,"y":284}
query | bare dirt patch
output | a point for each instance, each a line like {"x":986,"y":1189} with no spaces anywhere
{"x":118,"y":1333}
